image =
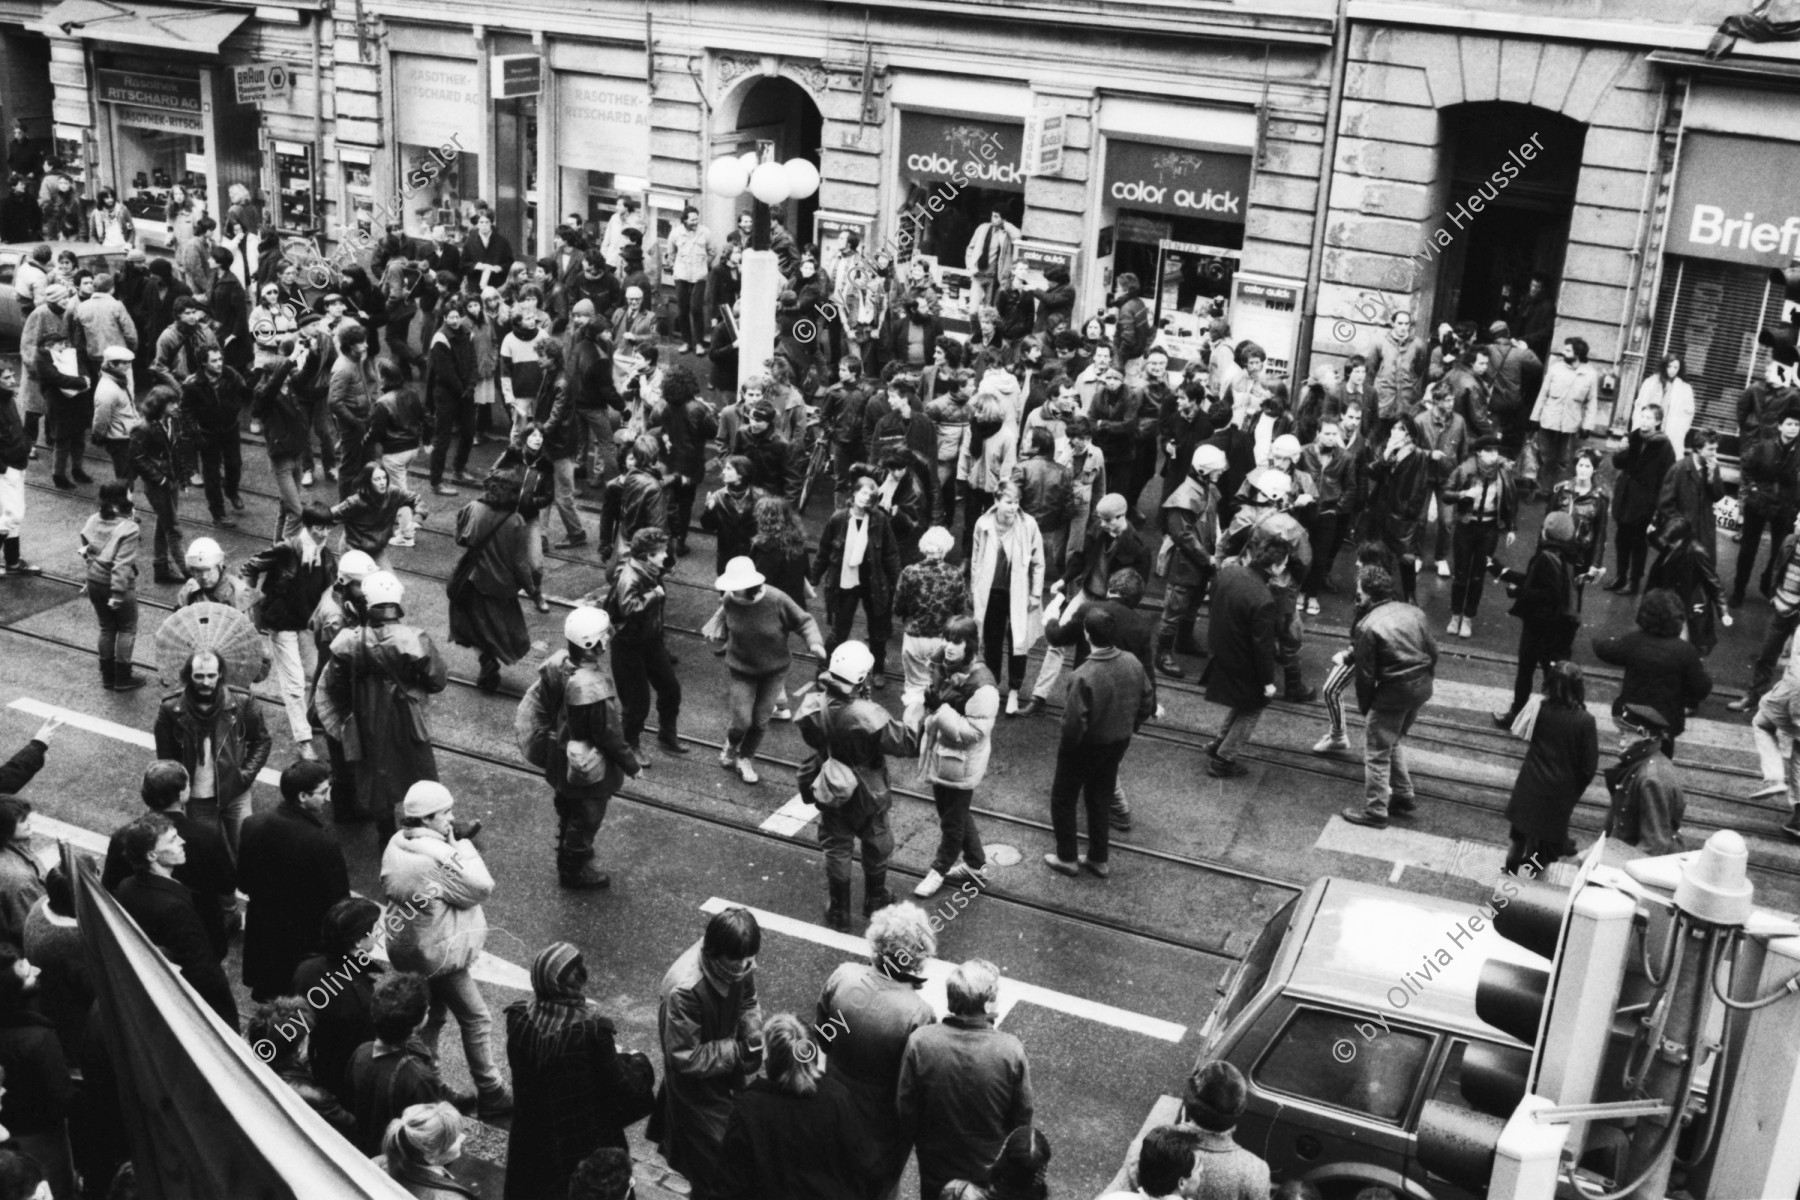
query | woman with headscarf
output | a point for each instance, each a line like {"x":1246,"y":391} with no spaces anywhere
{"x":419,"y":1146}
{"x":790,"y":1131}
{"x":574,"y":1091}
{"x":484,"y":589}
{"x":876,"y":1006}
{"x":1006,"y":586}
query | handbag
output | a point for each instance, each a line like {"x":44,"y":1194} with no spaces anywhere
{"x":1526,"y":722}
{"x":714,"y":629}
{"x":835,"y":783}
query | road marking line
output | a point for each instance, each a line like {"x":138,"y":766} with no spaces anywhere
{"x":792,"y":817}
{"x":114,"y":730}
{"x":488,"y":968}
{"x":1476,"y":697}
{"x":936,"y":970}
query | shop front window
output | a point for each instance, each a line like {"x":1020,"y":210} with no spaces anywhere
{"x":955,"y":174}
{"x":437,"y":187}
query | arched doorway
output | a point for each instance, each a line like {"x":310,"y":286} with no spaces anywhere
{"x":777,"y":110}
{"x":1523,"y":228}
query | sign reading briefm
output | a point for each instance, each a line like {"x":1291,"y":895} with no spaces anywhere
{"x":262,"y":82}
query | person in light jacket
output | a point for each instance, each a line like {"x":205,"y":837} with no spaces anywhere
{"x":1670,"y":391}
{"x":435,"y":887}
{"x":1566,"y":405}
{"x":115,"y":412}
{"x":1006,"y":586}
{"x":955,"y":718}
{"x":964,"y":1085}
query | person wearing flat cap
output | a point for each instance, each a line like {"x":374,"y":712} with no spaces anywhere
{"x":1647,"y":801}
{"x":115,"y":412}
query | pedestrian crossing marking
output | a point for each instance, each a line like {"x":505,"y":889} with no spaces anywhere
{"x":792,"y":817}
{"x":936,"y":971}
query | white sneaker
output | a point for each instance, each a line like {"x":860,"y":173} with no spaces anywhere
{"x":404,"y":543}
{"x":784,"y":713}
{"x":1455,"y":626}
{"x":728,"y":758}
{"x":1468,"y":628}
{"x":306,"y":479}
{"x":255,"y":426}
{"x":929,"y":885}
{"x":747,"y":772}
{"x":1330,"y":744}
{"x":1312,"y":606}
{"x":1443,"y":569}
{"x":1012,"y":703}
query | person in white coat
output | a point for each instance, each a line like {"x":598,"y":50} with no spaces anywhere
{"x":435,"y":886}
{"x":1006,"y":585}
{"x":1669,"y":391}
{"x":955,"y":718}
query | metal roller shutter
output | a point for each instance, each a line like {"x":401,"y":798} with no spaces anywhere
{"x":1709,"y":313}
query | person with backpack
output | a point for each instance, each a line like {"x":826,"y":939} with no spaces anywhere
{"x":846,"y":775}
{"x":569,"y":725}
{"x":109,"y":543}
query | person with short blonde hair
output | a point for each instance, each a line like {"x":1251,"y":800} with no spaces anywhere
{"x":875,"y":1007}
{"x":964,"y":1085}
{"x":418,"y":1146}
{"x":790,"y":1131}
{"x":928,"y":595}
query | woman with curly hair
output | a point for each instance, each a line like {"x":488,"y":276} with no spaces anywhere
{"x":883,"y":997}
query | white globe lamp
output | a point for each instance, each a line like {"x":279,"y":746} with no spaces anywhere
{"x":769,"y":183}
{"x":727,"y":178}
{"x":802,"y":178}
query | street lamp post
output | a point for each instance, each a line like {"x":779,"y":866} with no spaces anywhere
{"x":768,"y":182}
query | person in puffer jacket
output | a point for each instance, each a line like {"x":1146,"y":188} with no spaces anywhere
{"x":434,"y":887}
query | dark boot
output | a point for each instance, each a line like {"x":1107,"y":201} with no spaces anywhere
{"x":488,"y":679}
{"x":1185,"y":643}
{"x":1165,"y":663}
{"x":837,"y":914}
{"x":669,"y":738}
{"x":106,"y":674}
{"x":125,"y":679}
{"x":584,"y":878}
{"x":875,"y":893}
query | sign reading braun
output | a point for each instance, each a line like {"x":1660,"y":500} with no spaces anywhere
{"x":262,"y":82}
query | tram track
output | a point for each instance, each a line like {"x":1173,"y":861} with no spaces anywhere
{"x":1445,"y":734}
{"x":753,"y":827}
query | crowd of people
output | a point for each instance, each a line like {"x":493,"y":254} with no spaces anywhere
{"x":1046,"y":437}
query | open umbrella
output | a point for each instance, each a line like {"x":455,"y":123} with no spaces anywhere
{"x":216,"y":627}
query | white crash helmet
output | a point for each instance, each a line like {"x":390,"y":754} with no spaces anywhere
{"x":1272,"y":483}
{"x":585,"y":626}
{"x":382,"y":588}
{"x":204,"y":554}
{"x":1286,"y":446}
{"x":355,"y":567}
{"x":1208,"y":459}
{"x":851,"y":663}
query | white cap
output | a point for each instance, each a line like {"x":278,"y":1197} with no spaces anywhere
{"x":203,"y":554}
{"x":1209,"y":458}
{"x":585,"y":627}
{"x":382,"y":588}
{"x":355,"y":566}
{"x":851,"y":662}
{"x":1286,"y":446}
{"x":426,"y":798}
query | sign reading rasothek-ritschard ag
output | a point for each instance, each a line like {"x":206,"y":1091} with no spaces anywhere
{"x":1735,"y":200}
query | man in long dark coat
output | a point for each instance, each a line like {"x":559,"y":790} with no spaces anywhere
{"x":372,"y":695}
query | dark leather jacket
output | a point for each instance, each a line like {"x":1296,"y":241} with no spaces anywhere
{"x":860,"y":734}
{"x":633,"y":501}
{"x":1191,"y":523}
{"x":1769,"y":476}
{"x":1396,"y":658}
{"x":240,"y":740}
{"x":1046,"y":492}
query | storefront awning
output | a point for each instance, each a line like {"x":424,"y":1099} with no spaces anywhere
{"x":163,"y":26}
